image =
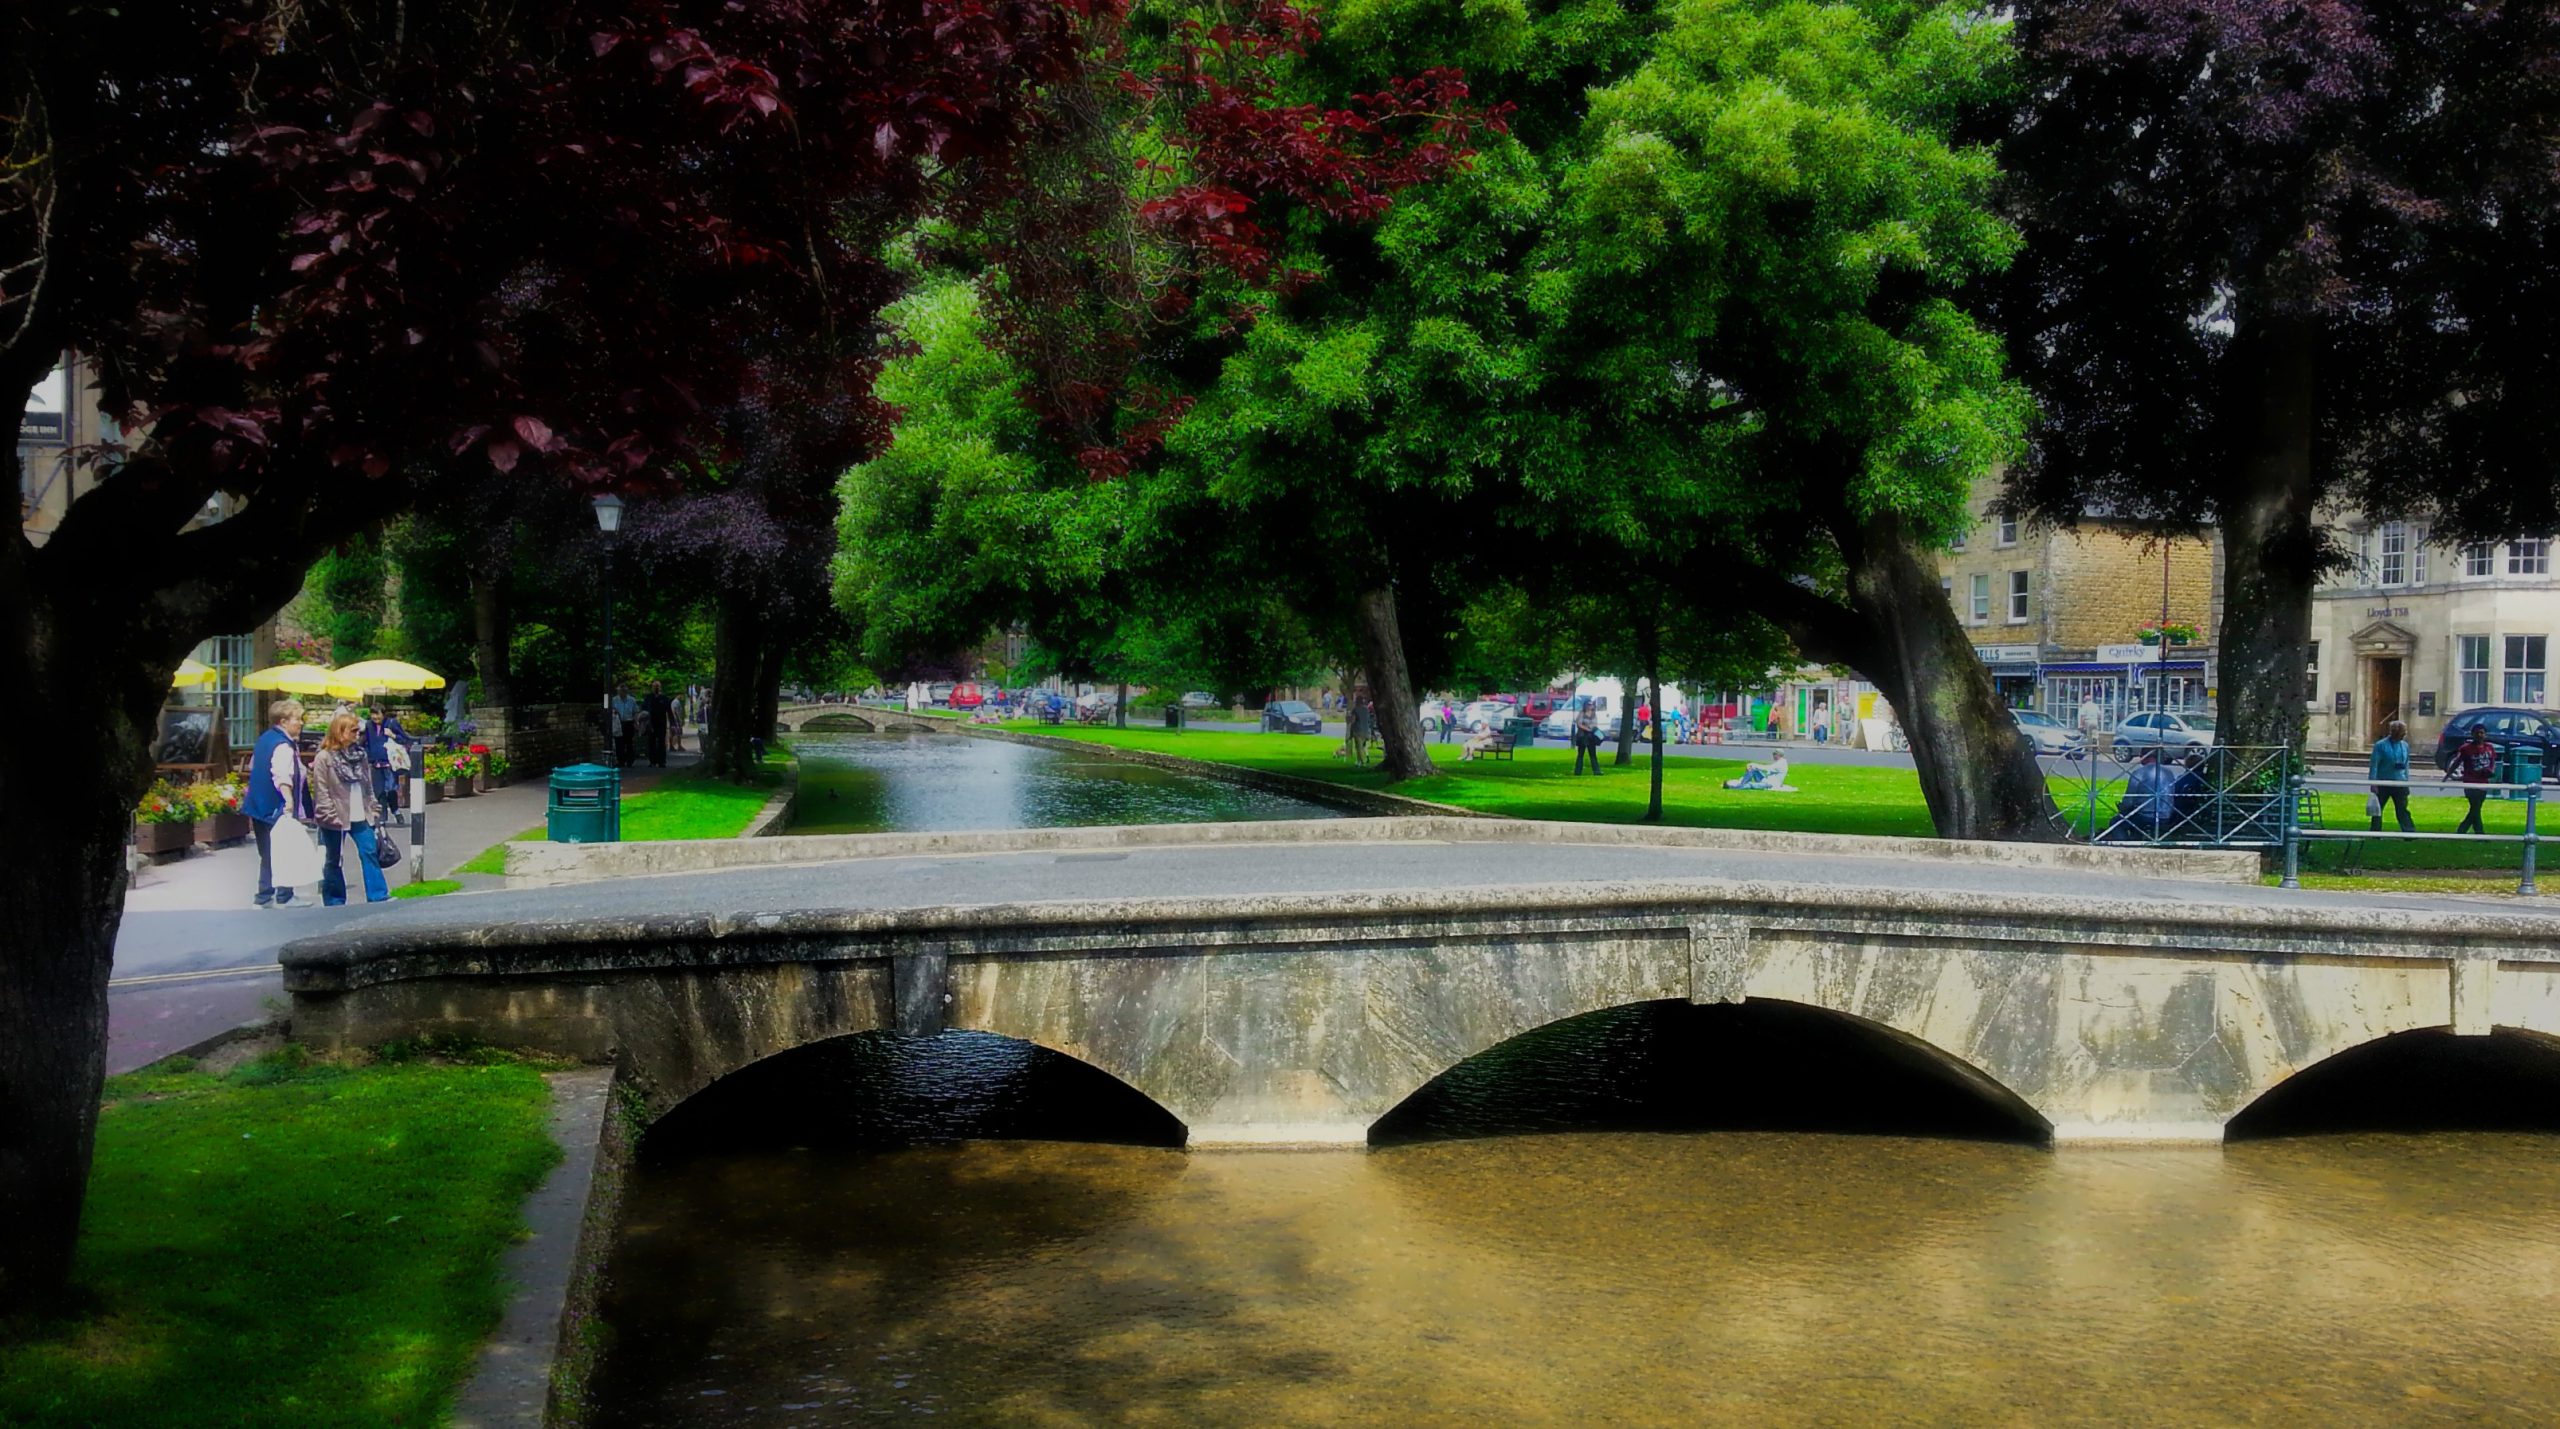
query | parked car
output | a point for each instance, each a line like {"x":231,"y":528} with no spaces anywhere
{"x":967,"y":697}
{"x":1489,"y":713}
{"x":1291,"y":717}
{"x":2051,"y":735}
{"x":939,"y":693}
{"x":2507,"y":726}
{"x":2138,"y":732}
{"x":1557,"y":722}
{"x":1199,"y":700}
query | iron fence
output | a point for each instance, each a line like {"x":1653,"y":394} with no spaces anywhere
{"x":2228,"y":797}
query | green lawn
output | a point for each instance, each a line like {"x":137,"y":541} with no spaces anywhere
{"x":425,"y":888}
{"x":1832,"y":798}
{"x":288,"y":1245}
{"x":688,"y":805}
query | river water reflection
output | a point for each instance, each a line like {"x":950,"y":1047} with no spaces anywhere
{"x":1730,"y":1277}
{"x":859,"y":784}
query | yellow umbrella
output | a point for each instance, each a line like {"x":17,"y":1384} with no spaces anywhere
{"x":193,"y":672}
{"x":292,"y":679}
{"x":365,"y":676}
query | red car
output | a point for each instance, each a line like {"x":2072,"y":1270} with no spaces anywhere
{"x":966,"y":697}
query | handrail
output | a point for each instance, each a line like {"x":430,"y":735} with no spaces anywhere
{"x":2531,"y":838}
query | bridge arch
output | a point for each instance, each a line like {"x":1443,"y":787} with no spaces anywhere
{"x":833,"y":722}
{"x":1764,"y":1064}
{"x":880,"y":1088}
{"x":2420,"y":1079}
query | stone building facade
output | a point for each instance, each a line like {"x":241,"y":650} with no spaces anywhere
{"x":2057,"y":614}
{"x":2418,"y":630}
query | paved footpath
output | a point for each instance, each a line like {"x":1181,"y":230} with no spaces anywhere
{"x":194,"y":957}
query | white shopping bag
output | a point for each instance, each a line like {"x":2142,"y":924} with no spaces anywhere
{"x":293,"y":854}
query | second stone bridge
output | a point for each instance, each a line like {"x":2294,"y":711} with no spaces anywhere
{"x":1304,"y":1018}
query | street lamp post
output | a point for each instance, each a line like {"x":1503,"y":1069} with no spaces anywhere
{"x":609,"y":521}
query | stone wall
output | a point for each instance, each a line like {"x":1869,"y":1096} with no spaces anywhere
{"x":538,"y":738}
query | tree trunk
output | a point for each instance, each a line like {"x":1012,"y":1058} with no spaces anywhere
{"x":1399,"y":706}
{"x":1120,"y":708}
{"x":1651,"y":640}
{"x":62,"y":882}
{"x":1978,"y":770}
{"x":1626,"y":719}
{"x":768,"y":679}
{"x":2270,"y":549}
{"x":737,"y":663}
{"x":492,"y":635}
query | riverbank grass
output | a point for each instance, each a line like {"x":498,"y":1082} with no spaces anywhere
{"x":1539,"y":783}
{"x":687,"y":805}
{"x":287,"y":1245}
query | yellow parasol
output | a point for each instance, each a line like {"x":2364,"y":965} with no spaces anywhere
{"x":193,"y":672}
{"x":367,"y":676}
{"x":292,"y":679}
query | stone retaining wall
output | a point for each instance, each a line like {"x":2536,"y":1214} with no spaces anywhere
{"x":539,"y":738}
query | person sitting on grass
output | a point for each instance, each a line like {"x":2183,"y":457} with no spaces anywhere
{"x":1772,"y":775}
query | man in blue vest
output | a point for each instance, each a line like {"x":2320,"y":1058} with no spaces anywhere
{"x":276,"y":791}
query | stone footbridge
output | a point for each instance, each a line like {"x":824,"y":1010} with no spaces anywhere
{"x":1292,"y":1000}
{"x":857,"y":719}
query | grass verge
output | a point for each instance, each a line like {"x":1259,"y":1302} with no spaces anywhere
{"x":426,"y":888}
{"x":290,"y":1244}
{"x":687,"y":805}
{"x":1539,"y":783}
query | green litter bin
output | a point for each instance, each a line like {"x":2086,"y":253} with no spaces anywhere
{"x":2523,"y":765}
{"x":586,"y":805}
{"x":1522,"y":732}
{"x":1173,"y":716}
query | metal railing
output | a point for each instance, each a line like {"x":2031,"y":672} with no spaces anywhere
{"x":2247,"y":798}
{"x":2531,"y":838}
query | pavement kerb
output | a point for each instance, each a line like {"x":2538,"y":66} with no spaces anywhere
{"x":775,"y":816}
{"x":554,"y":1268}
{"x":535,"y":865}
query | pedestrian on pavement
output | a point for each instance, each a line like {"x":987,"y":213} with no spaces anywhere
{"x":1448,"y":721}
{"x":656,"y":712}
{"x":1362,"y":721}
{"x":676,"y":707}
{"x":377,"y":752}
{"x":1586,"y":738}
{"x":2389,"y":771}
{"x":2475,"y":763}
{"x":276,"y":792}
{"x":344,"y":805}
{"x":626,"y":726}
{"x":2091,"y":717}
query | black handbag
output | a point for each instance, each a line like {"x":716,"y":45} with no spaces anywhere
{"x":386,"y":850}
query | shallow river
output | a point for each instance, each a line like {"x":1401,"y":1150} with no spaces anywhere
{"x":867,"y":783}
{"x":794,"y":1254}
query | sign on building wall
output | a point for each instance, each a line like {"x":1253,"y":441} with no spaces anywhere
{"x":2129,"y":654}
{"x":2006,"y":654}
{"x":2426,"y":702}
{"x":2342,"y":698}
{"x":47,"y":418}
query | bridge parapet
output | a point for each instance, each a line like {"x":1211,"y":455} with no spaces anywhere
{"x":1302,"y":1019}
{"x":857,"y":719}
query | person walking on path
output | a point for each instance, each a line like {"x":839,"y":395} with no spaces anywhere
{"x":1362,"y":725}
{"x":1448,"y":721}
{"x":626,"y":726}
{"x":2091,"y":717}
{"x":1586,"y":738}
{"x":276,"y":792}
{"x":2475,"y":763}
{"x":2389,"y":771}
{"x":658,"y":709}
{"x":344,"y":805}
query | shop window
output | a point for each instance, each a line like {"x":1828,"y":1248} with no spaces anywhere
{"x":2524,"y":670}
{"x":2472,"y":659}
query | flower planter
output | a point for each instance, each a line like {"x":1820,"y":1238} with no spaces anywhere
{"x":222,"y":828}
{"x":161,"y":840}
{"x":458,"y":789}
{"x":435,"y":791}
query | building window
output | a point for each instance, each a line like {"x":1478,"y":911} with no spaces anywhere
{"x":1982,"y":600}
{"x":1947,"y":584}
{"x":2418,"y":557}
{"x":2395,"y":554}
{"x":2529,"y":558}
{"x":2017,"y":597}
{"x":2474,"y":668}
{"x":2364,"y":557}
{"x":2479,"y":559}
{"x":2008,"y":530}
{"x":2524,"y":669}
{"x":2311,"y":674}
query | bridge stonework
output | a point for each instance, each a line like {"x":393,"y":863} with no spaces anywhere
{"x":856,"y":719}
{"x":1302,"y":1020}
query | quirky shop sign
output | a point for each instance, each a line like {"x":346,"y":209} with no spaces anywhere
{"x":45,"y":417}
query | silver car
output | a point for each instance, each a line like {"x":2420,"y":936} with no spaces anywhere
{"x":2139,"y":732}
{"x":2051,"y":736}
